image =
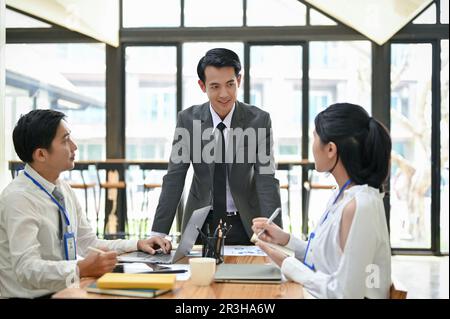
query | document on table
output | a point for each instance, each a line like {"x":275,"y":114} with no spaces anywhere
{"x":136,"y":268}
{"x":185,"y":275}
{"x":243,"y":251}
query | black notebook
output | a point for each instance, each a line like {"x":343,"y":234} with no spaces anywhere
{"x":248,"y":273}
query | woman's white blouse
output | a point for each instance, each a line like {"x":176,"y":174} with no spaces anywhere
{"x":364,"y":268}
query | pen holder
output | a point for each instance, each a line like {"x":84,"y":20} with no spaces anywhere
{"x":214,"y":248}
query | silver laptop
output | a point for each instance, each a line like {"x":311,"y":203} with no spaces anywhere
{"x":186,"y":243}
{"x":248,"y":273}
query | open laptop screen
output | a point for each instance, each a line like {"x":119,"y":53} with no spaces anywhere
{"x":186,"y":243}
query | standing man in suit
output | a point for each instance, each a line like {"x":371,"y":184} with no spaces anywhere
{"x":238,"y":181}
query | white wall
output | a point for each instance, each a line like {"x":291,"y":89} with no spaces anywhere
{"x":3,"y":165}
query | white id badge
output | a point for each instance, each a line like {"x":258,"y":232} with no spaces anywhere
{"x":70,"y":248}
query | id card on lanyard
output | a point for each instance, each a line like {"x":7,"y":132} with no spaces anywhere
{"x":307,"y":260}
{"x":69,"y":243}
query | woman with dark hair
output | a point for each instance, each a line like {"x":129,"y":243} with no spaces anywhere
{"x":348,"y":255}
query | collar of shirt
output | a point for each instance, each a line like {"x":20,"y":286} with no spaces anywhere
{"x":49,"y":187}
{"x":216,"y":118}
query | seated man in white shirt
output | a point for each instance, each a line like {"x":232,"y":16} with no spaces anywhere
{"x":42,"y":225}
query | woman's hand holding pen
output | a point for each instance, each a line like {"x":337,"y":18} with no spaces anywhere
{"x":272,"y":232}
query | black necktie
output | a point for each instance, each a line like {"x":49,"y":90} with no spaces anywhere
{"x":60,"y":198}
{"x":220,"y":175}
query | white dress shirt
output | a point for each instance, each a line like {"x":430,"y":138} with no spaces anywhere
{"x":32,"y":261}
{"x":231,"y":207}
{"x":364,"y":268}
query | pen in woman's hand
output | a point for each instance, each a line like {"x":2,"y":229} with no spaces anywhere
{"x":270,"y":220}
{"x":96,"y":250}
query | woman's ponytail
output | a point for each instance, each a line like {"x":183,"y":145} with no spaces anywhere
{"x":376,"y":154}
{"x":363,"y":143}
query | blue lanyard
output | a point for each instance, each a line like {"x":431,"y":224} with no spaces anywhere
{"x":337,"y":197}
{"x":61,"y":208}
{"x":312,"y":235}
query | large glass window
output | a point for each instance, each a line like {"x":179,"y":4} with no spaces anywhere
{"x":275,"y":13}
{"x":69,"y":78}
{"x":145,"y":13}
{"x":444,"y":146}
{"x":275,"y":86}
{"x":151,"y":106}
{"x":339,"y":72}
{"x":150,"y":102}
{"x":192,"y":53}
{"x":427,"y":17}
{"x":213,"y":13}
{"x":65,"y":77}
{"x":444,"y":11}
{"x":411,"y":142}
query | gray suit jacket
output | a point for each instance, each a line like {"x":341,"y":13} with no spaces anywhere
{"x":255,"y":192}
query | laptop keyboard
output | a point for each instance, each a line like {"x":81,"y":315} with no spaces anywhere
{"x":159,"y":258}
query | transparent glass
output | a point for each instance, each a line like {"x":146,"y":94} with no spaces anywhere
{"x":213,"y":13}
{"x":319,"y":196}
{"x":275,"y":13}
{"x":65,"y":77}
{"x":150,"y":102}
{"x":444,"y":146}
{"x":444,"y":11}
{"x":339,"y":72}
{"x":151,"y":13}
{"x":69,"y":78}
{"x":275,"y":86}
{"x":150,"y":85}
{"x":427,"y":17}
{"x":410,"y":178}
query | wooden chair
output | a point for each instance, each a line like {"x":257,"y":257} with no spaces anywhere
{"x":112,"y":185}
{"x":286,"y":187}
{"x":397,"y":290}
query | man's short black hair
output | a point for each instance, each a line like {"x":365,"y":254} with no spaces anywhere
{"x":36,"y":129}
{"x":219,"y":58}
